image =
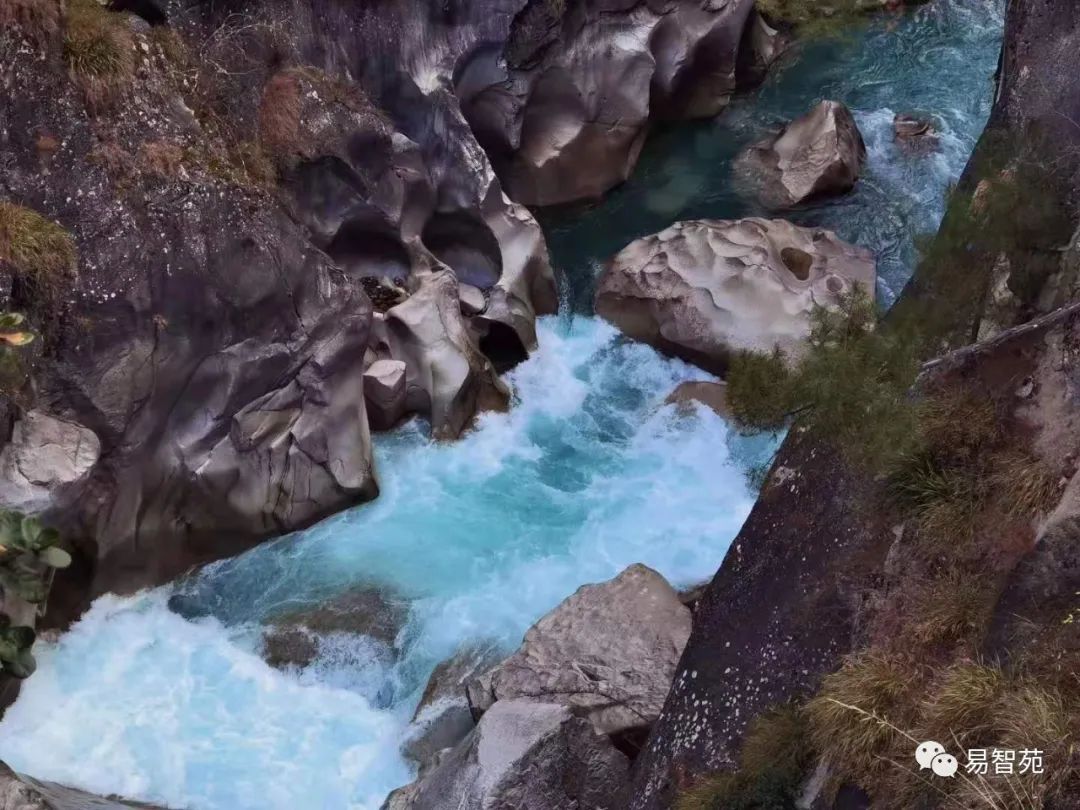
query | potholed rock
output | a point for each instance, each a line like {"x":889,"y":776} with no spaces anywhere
{"x":608,"y":652}
{"x":523,"y":755}
{"x":563,"y":108}
{"x":447,"y":377}
{"x":817,"y":155}
{"x":704,"y":288}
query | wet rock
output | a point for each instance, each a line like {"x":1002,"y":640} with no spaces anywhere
{"x":523,"y":755}
{"x":608,"y":652}
{"x":914,"y":133}
{"x":384,"y":393}
{"x":703,"y":288}
{"x":564,"y":107}
{"x":18,"y":792}
{"x":44,"y":455}
{"x":443,"y":716}
{"x":712,"y":395}
{"x":816,"y":155}
{"x":294,"y":638}
{"x":762,"y":45}
{"x":448,"y":378}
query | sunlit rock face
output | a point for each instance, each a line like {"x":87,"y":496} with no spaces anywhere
{"x":704,"y":288}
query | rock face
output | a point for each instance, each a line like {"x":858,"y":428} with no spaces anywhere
{"x":43,"y":455}
{"x":701,"y":289}
{"x":446,"y":375}
{"x":523,"y":755}
{"x":384,"y":393}
{"x":819,"y":154}
{"x":213,"y":337}
{"x":563,"y":108}
{"x":443,"y":716}
{"x":608,"y":652}
{"x":23,"y":793}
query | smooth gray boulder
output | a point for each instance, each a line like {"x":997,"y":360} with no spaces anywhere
{"x":704,"y":288}
{"x":608,"y":652}
{"x":816,"y":155}
{"x":447,"y":377}
{"x":384,"y":393}
{"x":523,"y":755}
{"x":712,"y":395}
{"x":44,"y":454}
{"x":18,"y":792}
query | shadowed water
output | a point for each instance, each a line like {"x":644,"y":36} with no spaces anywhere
{"x":937,"y":60}
{"x":588,"y":473}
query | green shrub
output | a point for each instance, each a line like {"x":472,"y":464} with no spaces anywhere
{"x":850,"y":386}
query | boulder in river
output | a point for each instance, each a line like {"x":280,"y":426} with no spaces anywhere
{"x":447,"y":377}
{"x":712,"y":395}
{"x":384,"y":393}
{"x":18,"y":792}
{"x":523,"y":755}
{"x":914,"y":133}
{"x":816,"y":155}
{"x":704,"y":288}
{"x":608,"y":651}
{"x":294,"y":638}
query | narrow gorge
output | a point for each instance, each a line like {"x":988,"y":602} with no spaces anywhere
{"x":374,"y":393}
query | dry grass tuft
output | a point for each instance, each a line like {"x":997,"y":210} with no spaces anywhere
{"x":279,"y":114}
{"x":38,"y":249}
{"x":775,"y":757}
{"x":856,"y":743}
{"x":962,"y":706}
{"x":161,"y":158}
{"x":40,"y":19}
{"x":99,"y":49}
{"x":952,"y":609}
{"x":1028,"y":487}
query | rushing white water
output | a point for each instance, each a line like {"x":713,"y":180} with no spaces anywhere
{"x":588,"y":473}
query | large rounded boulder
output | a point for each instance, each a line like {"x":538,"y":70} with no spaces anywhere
{"x":704,"y":288}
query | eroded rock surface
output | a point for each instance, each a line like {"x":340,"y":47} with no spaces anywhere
{"x":608,"y":651}
{"x":816,"y":155}
{"x":19,"y":792}
{"x":523,"y":755}
{"x":702,"y":289}
{"x":563,"y":108}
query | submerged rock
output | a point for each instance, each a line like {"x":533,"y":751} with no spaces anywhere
{"x":295,"y":638}
{"x":818,"y":154}
{"x":523,"y":755}
{"x":608,"y":651}
{"x":704,"y":288}
{"x":914,"y":133}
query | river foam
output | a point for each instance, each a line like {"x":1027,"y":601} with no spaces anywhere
{"x":587,"y":473}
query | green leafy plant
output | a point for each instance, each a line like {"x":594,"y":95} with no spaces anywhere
{"x":15,"y":643}
{"x":28,"y":555}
